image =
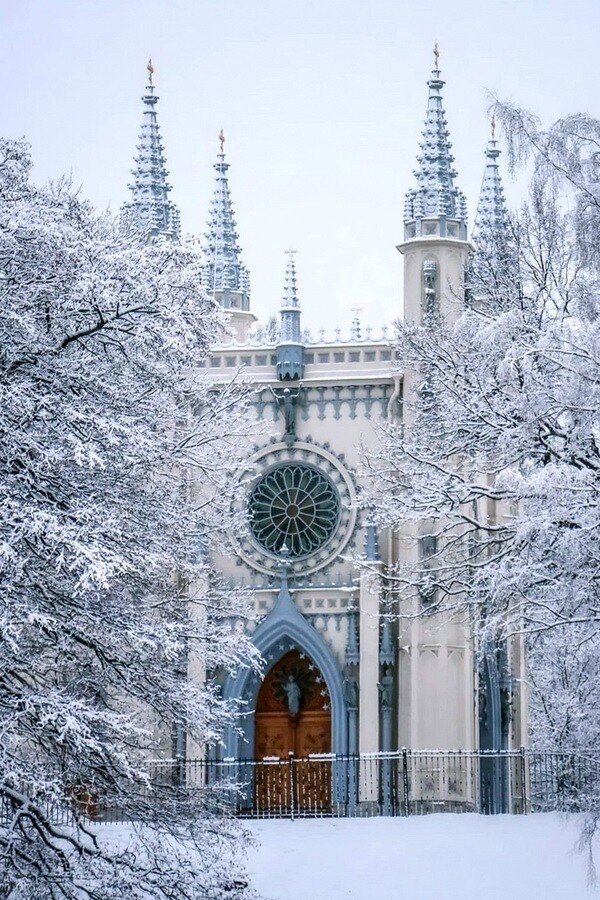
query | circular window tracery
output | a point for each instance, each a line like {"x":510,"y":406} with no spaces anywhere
{"x":294,"y":505}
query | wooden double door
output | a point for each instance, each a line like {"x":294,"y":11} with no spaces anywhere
{"x":292,"y":721}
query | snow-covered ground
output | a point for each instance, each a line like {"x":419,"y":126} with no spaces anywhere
{"x":446,"y":857}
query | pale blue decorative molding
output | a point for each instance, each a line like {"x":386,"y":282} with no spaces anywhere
{"x":371,"y":543}
{"x":352,"y":649}
{"x":386,"y":646}
{"x":330,"y":400}
{"x":283,"y":629}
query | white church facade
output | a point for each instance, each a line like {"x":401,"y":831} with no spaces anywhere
{"x":343,"y":672}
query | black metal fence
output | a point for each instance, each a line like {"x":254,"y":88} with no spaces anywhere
{"x":408,"y":782}
{"x":403,"y":783}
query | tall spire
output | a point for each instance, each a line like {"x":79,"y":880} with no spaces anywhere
{"x":493,"y":267}
{"x":491,"y":219}
{"x":224,"y":275}
{"x":150,"y":209}
{"x":290,"y":351}
{"x":435,"y":207}
{"x":290,"y":305}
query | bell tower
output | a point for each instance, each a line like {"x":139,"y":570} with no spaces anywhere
{"x":435,"y":663}
{"x":435,"y":246}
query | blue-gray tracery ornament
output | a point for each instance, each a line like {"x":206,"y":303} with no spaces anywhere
{"x":294,"y":505}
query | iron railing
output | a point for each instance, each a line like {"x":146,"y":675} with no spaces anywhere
{"x":402,"y":783}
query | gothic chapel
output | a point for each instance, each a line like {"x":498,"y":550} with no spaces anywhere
{"x":339,"y":677}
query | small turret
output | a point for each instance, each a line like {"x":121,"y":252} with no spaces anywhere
{"x":290,"y":350}
{"x":150,"y":209}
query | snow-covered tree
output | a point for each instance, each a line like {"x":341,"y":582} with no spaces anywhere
{"x":117,"y":468}
{"x":564,"y":689}
{"x":499,"y":466}
{"x":266,"y":332}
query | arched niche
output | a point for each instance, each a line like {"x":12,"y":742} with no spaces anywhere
{"x":284,"y":629}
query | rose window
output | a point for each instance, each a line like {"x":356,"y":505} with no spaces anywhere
{"x":294,"y":505}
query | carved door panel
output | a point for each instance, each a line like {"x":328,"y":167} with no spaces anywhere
{"x":282,"y":733}
{"x":272,"y":779}
{"x":312,"y":789}
{"x":313,"y":734}
{"x":274,"y":735}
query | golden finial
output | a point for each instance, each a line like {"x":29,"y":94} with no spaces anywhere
{"x":150,"y":68}
{"x":493,"y":124}
{"x":436,"y":56}
{"x":221,"y":139}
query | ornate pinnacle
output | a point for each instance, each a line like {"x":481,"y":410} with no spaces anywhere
{"x":435,"y":196}
{"x":150,"y":211}
{"x":290,"y":294}
{"x":223,"y":269}
{"x":436,"y":56}
{"x":493,"y":125}
{"x":290,"y":355}
{"x":491,"y":219}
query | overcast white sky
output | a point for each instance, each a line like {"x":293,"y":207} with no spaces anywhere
{"x":322,"y":103}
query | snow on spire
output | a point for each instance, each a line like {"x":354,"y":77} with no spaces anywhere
{"x":290,"y":305}
{"x":223,"y":271}
{"x":290,"y":291}
{"x":493,"y":266}
{"x":150,"y":209}
{"x":290,"y":351}
{"x":491,"y":219}
{"x":435,"y":196}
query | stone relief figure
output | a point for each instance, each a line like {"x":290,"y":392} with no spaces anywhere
{"x":385,"y":691}
{"x":293,"y":695}
{"x":350,"y":688}
{"x":287,"y":399}
{"x":429,"y":285}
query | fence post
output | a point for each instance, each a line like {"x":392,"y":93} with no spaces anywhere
{"x":291,"y":764}
{"x":523,"y":780}
{"x":405,"y":779}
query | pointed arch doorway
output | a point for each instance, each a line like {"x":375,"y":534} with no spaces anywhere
{"x":292,"y":721}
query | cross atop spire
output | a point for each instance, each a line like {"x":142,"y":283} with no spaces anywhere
{"x":224,"y":273}
{"x":435,"y":207}
{"x":150,"y":209}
